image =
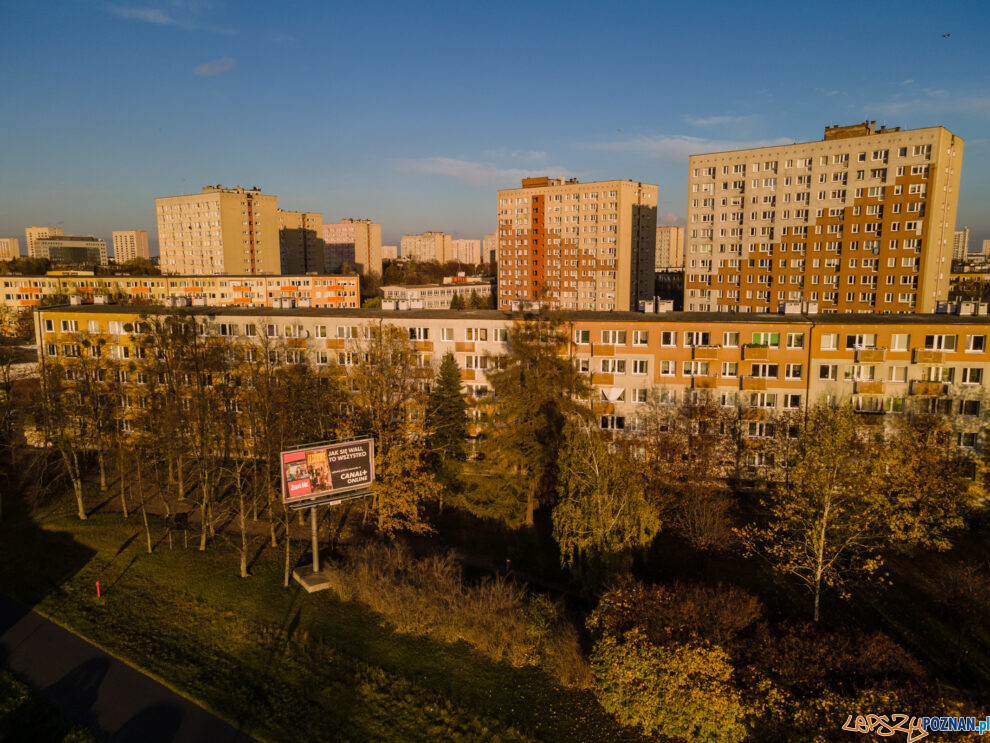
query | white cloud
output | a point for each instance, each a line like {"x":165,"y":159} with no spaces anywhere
{"x":679,"y":146}
{"x":718,"y":120}
{"x":476,"y":173}
{"x":933,"y":100}
{"x":183,"y":15}
{"x":148,"y":15}
{"x":216,"y":67}
{"x":670,"y":219}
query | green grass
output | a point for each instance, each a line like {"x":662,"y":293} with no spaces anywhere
{"x":24,"y":716}
{"x":278,"y":662}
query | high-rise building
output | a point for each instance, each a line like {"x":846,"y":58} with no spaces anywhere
{"x":861,"y":221}
{"x":466,"y":251}
{"x":390,"y":252}
{"x":356,"y":242}
{"x":34,"y":233}
{"x":300,"y":242}
{"x":489,"y":248}
{"x":221,"y":230}
{"x":427,"y":246}
{"x":10,"y":248}
{"x":72,"y":249}
{"x":985,"y":250}
{"x":587,"y":246}
{"x":130,"y":244}
{"x":960,"y":244}
{"x":670,"y":248}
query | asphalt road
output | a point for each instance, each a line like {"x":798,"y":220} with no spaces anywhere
{"x":117,"y":702}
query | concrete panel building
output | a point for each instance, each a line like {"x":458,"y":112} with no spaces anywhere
{"x":587,"y":246}
{"x":861,"y":221}
{"x":427,"y":246}
{"x":221,"y":230}
{"x":670,"y":248}
{"x":35,"y":233}
{"x":300,"y":242}
{"x":489,"y":248}
{"x":466,"y":251}
{"x":130,"y":244}
{"x":390,"y":252}
{"x":960,"y":244}
{"x":354,"y":242}
{"x":10,"y":248}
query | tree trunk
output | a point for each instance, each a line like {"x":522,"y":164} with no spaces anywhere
{"x":202,"y":531}
{"x":147,"y":528}
{"x":72,"y":464}
{"x":123,"y":489}
{"x":103,"y":470}
{"x":179,"y":479}
{"x":530,"y":508}
{"x":288,"y":554}
{"x":818,"y":591}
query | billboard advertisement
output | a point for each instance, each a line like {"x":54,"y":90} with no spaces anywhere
{"x":327,"y":469}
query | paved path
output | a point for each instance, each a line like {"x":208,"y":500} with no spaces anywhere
{"x":117,"y":702}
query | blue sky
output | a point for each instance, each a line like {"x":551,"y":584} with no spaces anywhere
{"x":413,"y":114}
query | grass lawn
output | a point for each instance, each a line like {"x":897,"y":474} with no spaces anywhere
{"x":282,"y":664}
{"x":25,"y":716}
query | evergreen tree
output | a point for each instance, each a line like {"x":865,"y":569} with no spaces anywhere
{"x":474,"y":302}
{"x":447,"y":420}
{"x":456,"y":302}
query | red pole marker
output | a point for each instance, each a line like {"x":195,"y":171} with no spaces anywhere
{"x":97,"y":589}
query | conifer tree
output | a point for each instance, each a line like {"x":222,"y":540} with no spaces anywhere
{"x":446,"y":419}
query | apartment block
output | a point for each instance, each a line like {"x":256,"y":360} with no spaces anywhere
{"x":130,"y":244}
{"x":427,"y":246}
{"x":353,"y":242}
{"x":390,"y":252}
{"x":10,"y":248}
{"x":758,"y":365}
{"x":72,"y":249}
{"x":300,"y":242}
{"x":489,"y":248}
{"x":670,"y":248}
{"x":221,"y":230}
{"x":579,"y":246}
{"x":960,"y":244}
{"x":861,"y":221}
{"x":34,"y":233}
{"x":466,"y":251}
{"x":250,"y":290}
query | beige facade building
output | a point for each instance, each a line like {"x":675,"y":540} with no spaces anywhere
{"x":72,"y":249}
{"x":10,"y":248}
{"x":427,"y":246}
{"x":221,"y":230}
{"x":300,"y":241}
{"x":390,"y":252}
{"x":489,"y":248}
{"x":670,"y":248}
{"x":435,"y":296}
{"x":466,"y":251}
{"x":960,"y":244}
{"x":355,"y":242}
{"x":130,"y":244}
{"x":588,"y":246}
{"x":35,"y":233}
{"x":861,"y":221}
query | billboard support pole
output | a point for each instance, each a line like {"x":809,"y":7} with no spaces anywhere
{"x":316,"y":543}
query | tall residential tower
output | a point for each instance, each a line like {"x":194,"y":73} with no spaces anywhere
{"x":130,"y":244}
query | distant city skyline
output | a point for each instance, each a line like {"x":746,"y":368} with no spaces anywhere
{"x":406,"y":136}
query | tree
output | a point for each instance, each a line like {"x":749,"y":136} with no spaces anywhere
{"x":474,"y":301}
{"x":457,"y":302}
{"x":536,"y":387}
{"x":601,"y":513}
{"x":447,"y":421}
{"x":372,"y":303}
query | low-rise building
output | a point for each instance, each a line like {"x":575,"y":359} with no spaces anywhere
{"x":76,"y":250}
{"x":435,"y":296}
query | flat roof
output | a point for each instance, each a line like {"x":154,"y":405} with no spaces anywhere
{"x":63,"y":275}
{"x":580,"y":316}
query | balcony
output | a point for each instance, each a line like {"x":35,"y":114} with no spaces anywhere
{"x":927,"y":388}
{"x":600,"y":349}
{"x":602,"y":379}
{"x":753,"y":352}
{"x":705,"y":353}
{"x":871,"y":355}
{"x":295,"y":343}
{"x":423,"y":345}
{"x":754,"y":383}
{"x":753,"y":414}
{"x":464,"y":346}
{"x":704,"y":383}
{"x":335,"y":344}
{"x":467,"y":375}
{"x":928,"y":356}
{"x":601,"y":407}
{"x":869,"y":387}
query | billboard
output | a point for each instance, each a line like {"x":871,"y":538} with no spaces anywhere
{"x":327,"y":469}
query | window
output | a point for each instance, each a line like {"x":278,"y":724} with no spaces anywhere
{"x":861,"y":340}
{"x":613,"y":423}
{"x":476,"y":334}
{"x":730,"y":340}
{"x":861,"y":372}
{"x":730,"y":369}
{"x":251,"y":330}
{"x":763,"y":400}
{"x":976,"y":343}
{"x":899,"y":341}
{"x":898,"y":373}
{"x":584,"y":365}
{"x":766,"y":339}
{"x":668,"y":338}
{"x":967,"y":440}
{"x":668,"y":368}
{"x":446,"y":334}
{"x":795,"y":340}
{"x":792,"y":402}
{"x":343,"y":332}
{"x":757,"y":429}
{"x":500,"y":335}
{"x":296,"y":331}
{"x":640,"y":395}
{"x":69,"y":326}
{"x":295,"y":356}
{"x":613,"y":366}
{"x":940,"y":342}
{"x":419,"y":334}
{"x":614,"y":337}
{"x":696,"y":338}
{"x":640,"y":366}
{"x":793,"y":371}
{"x":764,"y":371}
{"x":695,"y":368}
{"x":475,"y":362}
{"x":972,"y":375}
{"x":641,"y":337}
{"x":937,"y":374}
{"x":582,"y":337}
{"x":830,"y":341}
{"x":272,"y":331}
{"x":828,"y":372}
{"x":969,"y":407}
